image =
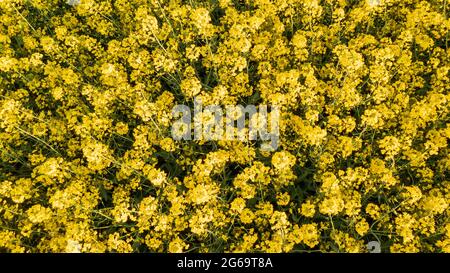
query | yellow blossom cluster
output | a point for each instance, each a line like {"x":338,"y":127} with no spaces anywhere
{"x":88,"y":162}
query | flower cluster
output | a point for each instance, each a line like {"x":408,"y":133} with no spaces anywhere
{"x":88,"y":162}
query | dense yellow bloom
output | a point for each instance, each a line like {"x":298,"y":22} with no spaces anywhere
{"x":89,"y":160}
{"x":38,"y":214}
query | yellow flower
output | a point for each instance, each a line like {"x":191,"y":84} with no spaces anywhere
{"x":167,"y":144}
{"x":38,"y":214}
{"x":97,"y":155}
{"x":362,"y":227}
{"x":308,"y":209}
{"x":283,"y":161}
{"x":238,"y":205}
{"x":177,"y":246}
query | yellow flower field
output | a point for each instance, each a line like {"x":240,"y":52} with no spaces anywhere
{"x":89,"y":161}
